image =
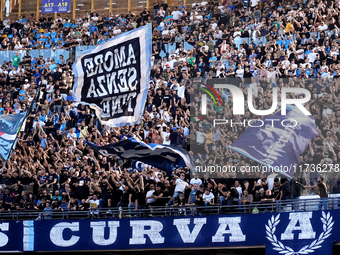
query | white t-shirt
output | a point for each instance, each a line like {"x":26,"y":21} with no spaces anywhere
{"x":270,"y":180}
{"x":271,"y":75}
{"x":72,"y":136}
{"x":93,"y":203}
{"x":180,"y":185}
{"x":40,"y":122}
{"x":175,"y":15}
{"x":322,"y":27}
{"x":198,"y":181}
{"x":180,"y":91}
{"x":240,"y":73}
{"x":285,"y":63}
{"x":301,"y":51}
{"x":152,"y":199}
{"x":200,"y":137}
{"x":311,"y":57}
{"x":209,"y":197}
{"x":165,"y":134}
{"x":254,"y":3}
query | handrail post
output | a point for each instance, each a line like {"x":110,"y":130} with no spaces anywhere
{"x":92,"y":5}
{"x":129,"y":5}
{"x":1,"y":12}
{"x":19,"y":10}
{"x":74,"y":10}
{"x":110,"y":8}
{"x":37,"y":14}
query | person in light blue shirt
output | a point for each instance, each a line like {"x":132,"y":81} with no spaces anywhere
{"x":101,"y":40}
{"x":48,"y":211}
{"x":53,"y":66}
{"x":70,"y":97}
{"x":93,"y":28}
{"x":253,"y":54}
{"x":41,"y":66}
{"x":53,"y":34}
{"x":22,"y":93}
{"x":48,"y":44}
{"x":267,"y":62}
{"x":212,"y":60}
{"x":67,"y":24}
{"x":279,"y":41}
{"x":46,"y":34}
{"x":61,"y":60}
{"x":1,"y":109}
{"x":287,"y":42}
{"x":38,"y":34}
{"x":74,"y":25}
{"x":41,"y":38}
{"x":23,"y":20}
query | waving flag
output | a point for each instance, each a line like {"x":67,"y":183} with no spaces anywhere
{"x":9,"y":127}
{"x":113,"y":79}
{"x":165,"y":157}
{"x":274,"y":143}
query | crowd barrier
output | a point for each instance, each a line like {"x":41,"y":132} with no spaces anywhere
{"x":304,"y":203}
{"x":7,"y":55}
{"x":291,"y":232}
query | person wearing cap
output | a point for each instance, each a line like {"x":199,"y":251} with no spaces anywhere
{"x":158,"y":196}
{"x":145,"y":14}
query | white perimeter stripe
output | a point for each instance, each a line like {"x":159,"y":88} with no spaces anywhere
{"x":28,"y":239}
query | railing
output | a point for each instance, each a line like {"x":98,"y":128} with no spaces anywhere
{"x":7,"y":55}
{"x":161,"y":211}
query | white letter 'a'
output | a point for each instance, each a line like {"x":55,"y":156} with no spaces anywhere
{"x":184,"y":231}
{"x":138,"y":231}
{"x":56,"y":234}
{"x":235,"y":231}
{"x":98,"y":232}
{"x":305,"y":226}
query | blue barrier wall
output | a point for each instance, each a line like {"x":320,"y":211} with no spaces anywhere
{"x":7,"y":55}
{"x":286,"y":231}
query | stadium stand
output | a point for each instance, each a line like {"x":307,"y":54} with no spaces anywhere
{"x":53,"y":171}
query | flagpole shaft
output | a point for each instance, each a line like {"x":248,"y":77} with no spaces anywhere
{"x":300,"y":183}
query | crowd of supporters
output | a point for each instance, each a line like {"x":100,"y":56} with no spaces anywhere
{"x":53,"y":168}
